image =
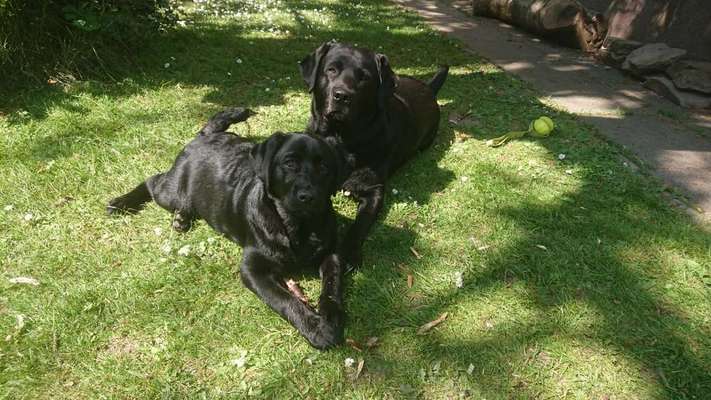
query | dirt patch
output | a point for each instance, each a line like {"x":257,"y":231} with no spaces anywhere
{"x":121,"y":346}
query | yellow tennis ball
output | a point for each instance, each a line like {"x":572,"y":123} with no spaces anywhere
{"x":548,"y":121}
{"x":541,"y":127}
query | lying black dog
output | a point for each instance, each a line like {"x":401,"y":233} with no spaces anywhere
{"x":382,"y":119}
{"x":273,"y":199}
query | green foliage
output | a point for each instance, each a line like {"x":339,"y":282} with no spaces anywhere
{"x":39,"y":38}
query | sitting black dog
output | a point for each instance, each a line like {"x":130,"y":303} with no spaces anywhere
{"x":381,"y":118}
{"x":273,"y":199}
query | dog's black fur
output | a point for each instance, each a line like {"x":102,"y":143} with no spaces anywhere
{"x":273,"y":199}
{"x":382,"y":119}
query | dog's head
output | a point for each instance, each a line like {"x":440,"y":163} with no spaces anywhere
{"x":349,"y":84}
{"x":299,"y":171}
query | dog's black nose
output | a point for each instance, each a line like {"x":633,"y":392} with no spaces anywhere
{"x":304,"y":197}
{"x":340,"y":96}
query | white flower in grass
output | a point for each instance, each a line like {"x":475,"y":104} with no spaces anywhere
{"x":238,"y":60}
{"x":28,"y":217}
{"x":561,"y":156}
{"x":395,"y":191}
{"x":349,"y":362}
{"x":20,"y":322}
{"x":166,"y":248}
{"x":184,"y":251}
{"x":241,"y":361}
{"x":166,"y":65}
{"x":158,"y":231}
{"x":8,"y":207}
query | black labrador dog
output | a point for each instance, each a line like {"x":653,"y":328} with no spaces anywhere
{"x":382,"y":119}
{"x":273,"y":199}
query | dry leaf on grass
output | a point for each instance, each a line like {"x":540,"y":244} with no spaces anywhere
{"x":460,"y":136}
{"x":372,"y":342}
{"x":354,"y":344}
{"x":353,"y":371}
{"x":470,"y":370}
{"x":24,"y":280}
{"x":428,"y":326}
{"x":410,"y":280}
{"x":359,"y":369}
{"x":296,"y":290}
{"x":415,"y":253}
{"x":458,"y":280}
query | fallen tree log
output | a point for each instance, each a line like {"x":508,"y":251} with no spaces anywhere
{"x":564,"y":21}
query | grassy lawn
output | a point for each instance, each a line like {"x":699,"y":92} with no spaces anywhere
{"x":580,"y":282}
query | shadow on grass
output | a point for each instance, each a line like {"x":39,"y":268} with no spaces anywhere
{"x":586,"y":235}
{"x":206,"y":54}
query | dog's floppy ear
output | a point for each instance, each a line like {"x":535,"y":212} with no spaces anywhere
{"x":386,"y":78}
{"x":309,"y":66}
{"x":263,"y":153}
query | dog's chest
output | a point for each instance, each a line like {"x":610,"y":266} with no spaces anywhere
{"x":308,"y":248}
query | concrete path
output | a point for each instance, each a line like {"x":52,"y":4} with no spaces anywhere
{"x":676,"y":147}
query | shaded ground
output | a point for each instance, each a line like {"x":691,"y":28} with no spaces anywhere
{"x":676,"y":144}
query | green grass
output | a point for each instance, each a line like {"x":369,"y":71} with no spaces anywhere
{"x":580,"y":282}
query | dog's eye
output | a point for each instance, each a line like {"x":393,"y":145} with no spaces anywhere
{"x":331,"y":70}
{"x":291,"y":165}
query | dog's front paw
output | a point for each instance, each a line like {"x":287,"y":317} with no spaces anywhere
{"x":328,"y":334}
{"x":182,"y":222}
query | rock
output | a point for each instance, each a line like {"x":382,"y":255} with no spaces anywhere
{"x":665,"y":87}
{"x":618,"y":49}
{"x":678,"y":23}
{"x":691,"y":75}
{"x":651,"y":58}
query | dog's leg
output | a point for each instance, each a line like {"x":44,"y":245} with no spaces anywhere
{"x":368,"y":188}
{"x":131,"y":202}
{"x":330,"y":304}
{"x":183,"y":221}
{"x":164,"y":190}
{"x":259,"y":274}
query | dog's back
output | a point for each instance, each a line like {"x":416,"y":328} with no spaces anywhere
{"x":209,"y":180}
{"x":416,"y":102}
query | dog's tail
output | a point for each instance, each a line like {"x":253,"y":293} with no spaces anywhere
{"x":221,"y":121}
{"x":438,"y":79}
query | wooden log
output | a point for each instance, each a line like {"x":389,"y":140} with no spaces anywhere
{"x":565,"y":21}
